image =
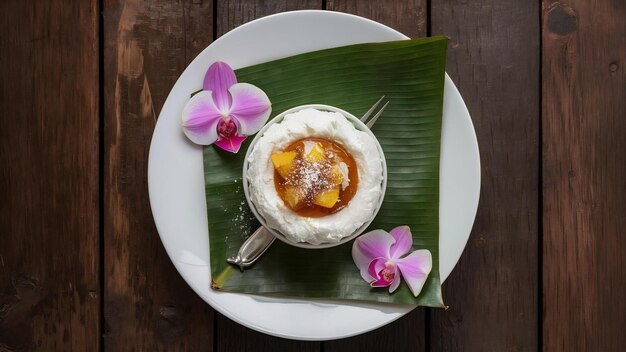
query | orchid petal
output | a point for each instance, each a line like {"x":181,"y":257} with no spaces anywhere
{"x":250,"y":106}
{"x":376,"y":266}
{"x":396,"y":281}
{"x":218,"y":79}
{"x":231,"y":144}
{"x":379,"y":283}
{"x":200,"y":118}
{"x":372,"y":245}
{"x":404,"y":241}
{"x":415,"y":269}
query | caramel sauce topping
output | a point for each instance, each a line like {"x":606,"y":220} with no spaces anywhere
{"x":310,"y":177}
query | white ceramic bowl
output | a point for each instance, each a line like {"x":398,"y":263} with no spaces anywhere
{"x":359,"y":126}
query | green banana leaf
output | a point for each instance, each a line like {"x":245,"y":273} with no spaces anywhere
{"x":410,"y":73}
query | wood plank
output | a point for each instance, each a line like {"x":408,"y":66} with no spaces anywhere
{"x":49,"y":267}
{"x":405,"y":334}
{"x":584,"y":124}
{"x":408,"y":332}
{"x":493,"y":57}
{"x":148,"y":44}
{"x":406,"y":16}
{"x":233,"y":13}
{"x":232,"y":337}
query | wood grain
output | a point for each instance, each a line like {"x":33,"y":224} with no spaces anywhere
{"x":493,"y":57}
{"x":584,"y":149}
{"x":148,"y":306}
{"x":407,"y":16}
{"x":408,"y":332}
{"x":233,"y":337}
{"x":233,"y":13}
{"x":405,"y":334}
{"x":49,"y":267}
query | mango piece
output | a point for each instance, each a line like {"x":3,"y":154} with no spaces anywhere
{"x":283,"y":162}
{"x":336,"y":176}
{"x":316,"y":154}
{"x":327,"y":199}
{"x":294,"y":197}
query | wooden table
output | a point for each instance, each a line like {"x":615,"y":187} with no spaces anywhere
{"x":82,"y":267}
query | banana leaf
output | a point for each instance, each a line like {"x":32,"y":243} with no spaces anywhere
{"x":410,"y":73}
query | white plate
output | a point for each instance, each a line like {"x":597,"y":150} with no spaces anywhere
{"x":176,"y":179}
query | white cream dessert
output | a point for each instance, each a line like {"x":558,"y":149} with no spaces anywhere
{"x":314,"y":177}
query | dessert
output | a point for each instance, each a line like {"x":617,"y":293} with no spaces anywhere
{"x":314,"y":177}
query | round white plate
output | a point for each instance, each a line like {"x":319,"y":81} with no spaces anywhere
{"x":176,"y":179}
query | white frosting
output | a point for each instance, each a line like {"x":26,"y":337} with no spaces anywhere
{"x":314,"y":123}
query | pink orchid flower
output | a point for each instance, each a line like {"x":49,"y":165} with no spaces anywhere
{"x":379,"y":257}
{"x":225,"y":112}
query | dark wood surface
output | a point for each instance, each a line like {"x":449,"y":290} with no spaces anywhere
{"x":81,"y":264}
{"x":49,"y":170}
{"x":584,"y":163}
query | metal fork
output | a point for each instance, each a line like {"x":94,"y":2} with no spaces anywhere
{"x":369,"y":112}
{"x":262,"y":239}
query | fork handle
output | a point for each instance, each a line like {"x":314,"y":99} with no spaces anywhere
{"x":252,"y":248}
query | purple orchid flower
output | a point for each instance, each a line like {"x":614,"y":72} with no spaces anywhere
{"x":379,"y":257}
{"x":225,"y":112}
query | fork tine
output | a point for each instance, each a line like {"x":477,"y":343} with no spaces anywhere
{"x":371,"y":122}
{"x":371,"y":110}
